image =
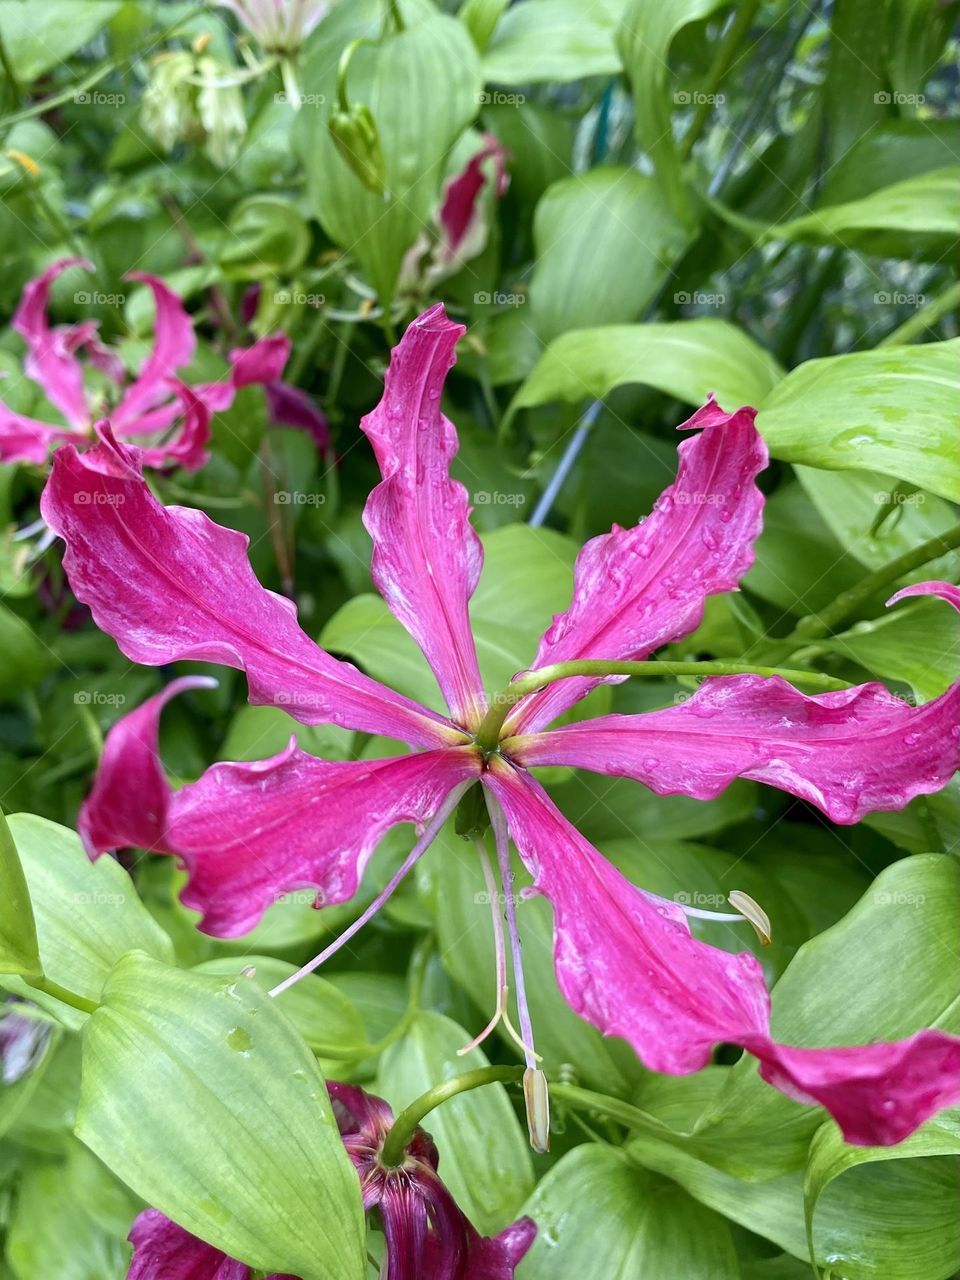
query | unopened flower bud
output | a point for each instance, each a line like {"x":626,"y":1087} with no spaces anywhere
{"x":356,"y":137}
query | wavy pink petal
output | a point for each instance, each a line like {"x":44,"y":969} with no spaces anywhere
{"x":169,"y":584}
{"x":24,"y":439}
{"x":51,"y":352}
{"x":849,"y":753}
{"x":164,"y":1251}
{"x":426,"y":556}
{"x":945,"y":590}
{"x":636,"y":589}
{"x":186,"y":446}
{"x":130,"y":796}
{"x":627,"y":962}
{"x":262,"y":362}
{"x":250,"y":833}
{"x":174,"y":343}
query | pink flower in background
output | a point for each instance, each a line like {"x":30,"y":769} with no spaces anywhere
{"x":170,"y":420}
{"x":278,"y":25}
{"x":171,"y":585}
{"x":462,"y":223}
{"x":427,"y":1237}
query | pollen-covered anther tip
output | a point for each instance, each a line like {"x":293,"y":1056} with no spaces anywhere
{"x":24,"y":161}
{"x":536,"y":1096}
{"x":753,"y":913}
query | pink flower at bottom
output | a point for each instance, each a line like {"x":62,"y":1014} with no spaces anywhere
{"x":426,"y":1235}
{"x":168,"y":584}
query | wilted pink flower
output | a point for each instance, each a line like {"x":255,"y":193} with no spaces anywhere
{"x":462,"y":227}
{"x":170,"y":420}
{"x":169,"y":585}
{"x":164,"y":1251}
{"x":278,"y":25}
{"x":427,"y":1237}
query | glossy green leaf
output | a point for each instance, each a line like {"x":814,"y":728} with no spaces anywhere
{"x":598,"y":1214}
{"x":686,"y":359}
{"x":849,"y":502}
{"x":830,"y":1156}
{"x":202,"y":1097}
{"x":554,"y":40}
{"x":890,"y":410}
{"x":480,"y":17}
{"x":88,"y":914}
{"x":423,"y":87}
{"x":485,"y":1159}
{"x":919,"y":211}
{"x":604,"y":242}
{"x":19,"y":949}
{"x":327,"y":1020}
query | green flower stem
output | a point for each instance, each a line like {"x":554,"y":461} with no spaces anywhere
{"x":610,"y":1108}
{"x":923,"y":319}
{"x":488,"y":735}
{"x":817,"y":625}
{"x":51,"y":988}
{"x":403,"y":1127}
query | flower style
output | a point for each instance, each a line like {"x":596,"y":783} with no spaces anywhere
{"x":280,"y":26}
{"x":169,"y":584}
{"x":427,"y":1237}
{"x":169,"y":418}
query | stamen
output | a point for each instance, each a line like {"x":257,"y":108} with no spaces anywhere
{"x":499,"y":824}
{"x":501,"y":1013}
{"x":431,"y":832}
{"x":752,"y":912}
{"x":535,"y":1093}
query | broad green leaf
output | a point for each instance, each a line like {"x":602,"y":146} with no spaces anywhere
{"x":850,"y":501}
{"x":918,"y":214}
{"x":199,"y":1094}
{"x":88,"y":914}
{"x":480,"y":17}
{"x":686,"y":359}
{"x":454,"y":888}
{"x":891,"y":410}
{"x":423,"y":88}
{"x":830,"y":1156}
{"x":484,"y":1156}
{"x":527,"y":578}
{"x":646,"y":33}
{"x":19,"y":952}
{"x":604,"y":242}
{"x":892,"y":151}
{"x":800,"y":566}
{"x":598,"y":1214}
{"x":916,"y":643}
{"x":613,"y":808}
{"x":561,"y":40}
{"x":327,"y":1020}
{"x":38,"y":37}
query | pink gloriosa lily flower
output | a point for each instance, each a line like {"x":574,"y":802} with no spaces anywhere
{"x":171,"y":585}
{"x":427,"y":1237}
{"x":281,"y":26}
{"x":157,"y":410}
